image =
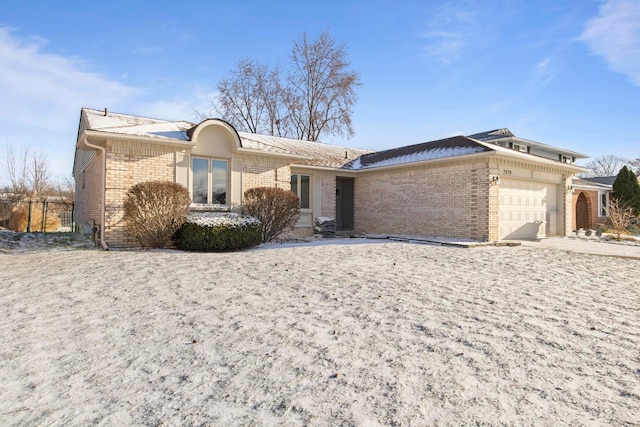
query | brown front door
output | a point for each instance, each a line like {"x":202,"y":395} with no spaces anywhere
{"x":582,"y":212}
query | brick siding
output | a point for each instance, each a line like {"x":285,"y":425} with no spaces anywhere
{"x":452,"y":200}
{"x":88,"y":199}
{"x":128,"y":164}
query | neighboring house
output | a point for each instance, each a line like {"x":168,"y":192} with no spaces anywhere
{"x":487,"y":186}
{"x":591,"y":201}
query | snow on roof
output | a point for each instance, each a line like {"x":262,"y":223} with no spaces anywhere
{"x":317,"y":153}
{"x":449,"y":147}
{"x":314,"y":153}
{"x":127,"y":124}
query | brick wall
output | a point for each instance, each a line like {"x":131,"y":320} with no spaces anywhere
{"x":88,"y":199}
{"x":128,"y":164}
{"x":328,"y":187}
{"x":259,"y":171}
{"x":452,"y":200}
{"x":591,"y":198}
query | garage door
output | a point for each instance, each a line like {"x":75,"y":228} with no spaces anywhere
{"x":528,"y":210}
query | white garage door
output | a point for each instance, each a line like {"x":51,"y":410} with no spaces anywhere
{"x":528,"y":210}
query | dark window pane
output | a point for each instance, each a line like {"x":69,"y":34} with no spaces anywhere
{"x":200,"y":180}
{"x":304,"y":191}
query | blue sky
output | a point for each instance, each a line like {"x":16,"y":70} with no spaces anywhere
{"x":565,"y":73}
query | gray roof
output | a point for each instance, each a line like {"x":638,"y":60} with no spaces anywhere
{"x":492,"y":134}
{"x":443,"y":148}
{"x":317,"y":153}
{"x":305,"y":152}
{"x":607,"y":180}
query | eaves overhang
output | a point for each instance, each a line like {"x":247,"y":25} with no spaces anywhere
{"x":529,"y":158}
{"x":529,"y":142}
{"x":101,"y":136}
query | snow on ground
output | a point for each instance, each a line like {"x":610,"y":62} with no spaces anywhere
{"x":366,"y":333}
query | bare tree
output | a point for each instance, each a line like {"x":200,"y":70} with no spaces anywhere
{"x":29,"y":173}
{"x":621,"y":216}
{"x":315,"y":99}
{"x":606,"y":165}
{"x":39,"y":174}
{"x":240,"y":97}
{"x":65,"y":189}
{"x":17,"y":172}
{"x":322,"y":88}
{"x":634,"y":165}
{"x":275,"y":98}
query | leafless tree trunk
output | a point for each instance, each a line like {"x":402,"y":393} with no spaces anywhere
{"x":17,"y":172}
{"x":322,"y":89}
{"x":275,"y":97}
{"x":240,"y":99}
{"x":39,"y":174}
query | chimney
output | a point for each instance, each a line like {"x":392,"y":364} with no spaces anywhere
{"x":106,"y":112}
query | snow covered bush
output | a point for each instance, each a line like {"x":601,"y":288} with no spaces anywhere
{"x":210,"y":231}
{"x":277,"y":209}
{"x":154,"y":210}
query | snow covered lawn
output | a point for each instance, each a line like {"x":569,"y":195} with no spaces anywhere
{"x":351,"y":333}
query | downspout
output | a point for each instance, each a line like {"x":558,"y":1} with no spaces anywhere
{"x":103,"y":187}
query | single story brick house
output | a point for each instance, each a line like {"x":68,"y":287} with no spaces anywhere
{"x":488,"y":186}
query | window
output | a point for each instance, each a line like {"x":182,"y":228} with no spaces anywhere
{"x":301,"y":188}
{"x":210,"y":181}
{"x":519,"y":147}
{"x":566,"y":159}
{"x":603,"y":204}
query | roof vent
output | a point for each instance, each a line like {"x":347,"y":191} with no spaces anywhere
{"x":106,"y":112}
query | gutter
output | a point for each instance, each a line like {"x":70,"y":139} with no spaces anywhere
{"x":85,"y":140}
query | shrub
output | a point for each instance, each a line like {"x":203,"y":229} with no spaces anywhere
{"x":206,"y":232}
{"x":277,"y":209}
{"x":621,"y":217}
{"x":154,"y":210}
{"x":19,"y":218}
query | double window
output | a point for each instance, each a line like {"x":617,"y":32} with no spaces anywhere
{"x":210,"y":181}
{"x":300,"y":186}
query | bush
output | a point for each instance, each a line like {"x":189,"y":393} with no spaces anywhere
{"x":621,"y":217}
{"x":19,"y":218}
{"x":277,"y":209}
{"x":154,"y":210}
{"x":206,"y":232}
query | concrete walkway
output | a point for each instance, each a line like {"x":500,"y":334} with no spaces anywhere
{"x":590,"y":246}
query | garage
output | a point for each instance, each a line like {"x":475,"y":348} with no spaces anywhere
{"x":528,"y":209}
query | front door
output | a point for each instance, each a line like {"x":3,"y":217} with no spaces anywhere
{"x":344,"y":203}
{"x":582,"y":212}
